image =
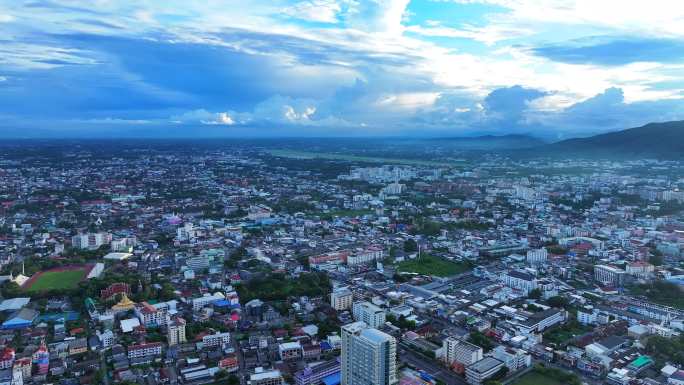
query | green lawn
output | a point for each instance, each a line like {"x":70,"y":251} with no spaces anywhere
{"x":534,"y":378}
{"x":59,"y":280}
{"x":565,"y":333}
{"x":431,"y":265}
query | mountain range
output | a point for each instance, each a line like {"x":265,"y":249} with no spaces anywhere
{"x":657,"y":140}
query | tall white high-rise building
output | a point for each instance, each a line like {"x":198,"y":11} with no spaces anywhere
{"x":341,"y":298}
{"x":374,"y":316}
{"x":175,"y":331}
{"x":369,"y":356}
{"x":537,"y":257}
{"x":461,"y":352}
{"x":609,"y":275}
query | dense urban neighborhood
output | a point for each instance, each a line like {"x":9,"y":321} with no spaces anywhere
{"x":183,"y":262}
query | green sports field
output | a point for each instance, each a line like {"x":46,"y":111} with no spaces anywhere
{"x":431,"y":265}
{"x":57,"y":280}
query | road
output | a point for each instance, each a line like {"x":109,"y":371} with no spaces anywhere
{"x":430,"y":367}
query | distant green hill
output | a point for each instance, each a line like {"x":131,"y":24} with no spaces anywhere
{"x":658,"y":140}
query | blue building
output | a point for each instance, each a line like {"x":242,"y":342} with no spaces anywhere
{"x":22,"y":319}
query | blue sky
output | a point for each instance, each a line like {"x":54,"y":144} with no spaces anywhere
{"x":550,"y":68}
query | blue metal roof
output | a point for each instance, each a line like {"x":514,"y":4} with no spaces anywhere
{"x":333,"y":379}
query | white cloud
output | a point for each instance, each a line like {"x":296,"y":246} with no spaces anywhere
{"x":656,"y":17}
{"x":322,"y":11}
{"x":202,"y":116}
{"x":488,"y":34}
{"x":366,"y":39}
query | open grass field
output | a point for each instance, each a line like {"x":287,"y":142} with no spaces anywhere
{"x":431,"y":265}
{"x":56,"y":279}
{"x":354,"y":158}
{"x":565,"y":333}
{"x":534,"y":378}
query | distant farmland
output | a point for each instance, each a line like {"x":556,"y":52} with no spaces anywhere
{"x":294,"y":154}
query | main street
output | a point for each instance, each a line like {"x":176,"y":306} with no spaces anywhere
{"x":431,"y":367}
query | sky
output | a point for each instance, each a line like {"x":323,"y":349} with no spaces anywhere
{"x":549,"y":68}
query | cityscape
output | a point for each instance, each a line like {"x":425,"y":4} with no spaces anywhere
{"x":208,"y":262}
{"x":341,"y":192}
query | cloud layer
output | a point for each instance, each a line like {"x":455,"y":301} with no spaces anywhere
{"x":336,"y":67}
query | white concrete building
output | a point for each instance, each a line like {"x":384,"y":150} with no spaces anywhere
{"x":537,"y":257}
{"x":514,"y":359}
{"x":175,"y":331}
{"x":461,"y":352}
{"x":341,"y":298}
{"x":369,"y":356}
{"x":482,"y":370}
{"x":374,"y":316}
{"x":519,"y":280}
{"x":216,"y":339}
{"x":609,"y":275}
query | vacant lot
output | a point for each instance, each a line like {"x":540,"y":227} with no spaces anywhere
{"x":534,"y":378}
{"x":431,"y":265}
{"x":57,"y":280}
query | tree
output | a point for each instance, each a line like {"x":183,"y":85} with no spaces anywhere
{"x":535,"y":294}
{"x":11,"y":290}
{"x":558,"y":301}
{"x":656,"y":259}
{"x":233,"y":380}
{"x":410,"y":246}
{"x":481,"y":340}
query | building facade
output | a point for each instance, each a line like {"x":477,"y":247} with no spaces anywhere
{"x":374,"y":316}
{"x":369,"y":356}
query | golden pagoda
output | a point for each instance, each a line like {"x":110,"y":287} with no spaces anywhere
{"x":125,"y":304}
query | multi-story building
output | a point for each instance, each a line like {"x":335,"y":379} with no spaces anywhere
{"x":341,"y":298}
{"x":199,"y":303}
{"x":537,"y":257}
{"x":586,"y":316}
{"x":369,"y":356}
{"x":106,"y":338}
{"x":457,"y":351}
{"x":7,"y":358}
{"x":640,"y":269}
{"x":78,"y":346}
{"x":90,"y":241}
{"x":368,"y":255}
{"x":519,"y":280}
{"x":290,"y":351}
{"x":145,"y":350}
{"x":199,"y":262}
{"x":311,"y":351}
{"x":150,"y":315}
{"x":538,"y":322}
{"x":314,"y":374}
{"x":514,"y":359}
{"x":124,"y":244}
{"x":482,"y":370}
{"x":374,"y":316}
{"x":175,"y":331}
{"x":266,"y":377}
{"x":259,"y":212}
{"x":216,"y":339}
{"x":609,"y":275}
